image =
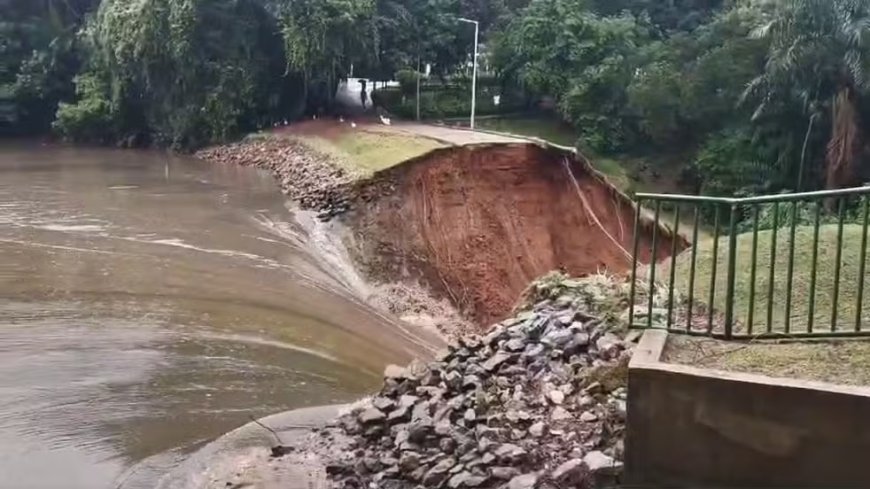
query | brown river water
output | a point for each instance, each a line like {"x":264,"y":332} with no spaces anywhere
{"x":149,"y":303}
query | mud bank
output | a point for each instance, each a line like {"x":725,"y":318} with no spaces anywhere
{"x":478,"y":223}
{"x":471,"y":225}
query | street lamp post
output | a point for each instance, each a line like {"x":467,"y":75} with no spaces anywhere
{"x":474,"y":68}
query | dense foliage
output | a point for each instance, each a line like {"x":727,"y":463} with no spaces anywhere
{"x":767,"y":95}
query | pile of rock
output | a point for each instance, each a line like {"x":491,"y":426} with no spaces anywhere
{"x":539,"y":401}
{"x":306,"y":176}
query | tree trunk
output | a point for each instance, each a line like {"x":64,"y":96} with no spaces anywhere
{"x":844,"y":148}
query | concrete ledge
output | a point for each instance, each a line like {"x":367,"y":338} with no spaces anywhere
{"x":697,"y":427}
{"x":242,"y":457}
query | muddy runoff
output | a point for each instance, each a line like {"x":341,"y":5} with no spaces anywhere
{"x":151,"y":303}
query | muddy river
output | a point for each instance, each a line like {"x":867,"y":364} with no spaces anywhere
{"x":149,"y":303}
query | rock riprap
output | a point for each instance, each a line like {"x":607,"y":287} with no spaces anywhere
{"x":539,"y":401}
{"x":306,"y":176}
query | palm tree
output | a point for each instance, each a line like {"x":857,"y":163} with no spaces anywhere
{"x":819,"y":57}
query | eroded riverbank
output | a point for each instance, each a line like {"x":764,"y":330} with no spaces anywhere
{"x":469,"y":224}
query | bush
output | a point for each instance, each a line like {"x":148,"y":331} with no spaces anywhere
{"x":90,"y":119}
{"x":438,"y":102}
{"x":730,"y":164}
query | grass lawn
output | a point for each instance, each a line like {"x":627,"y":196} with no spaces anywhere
{"x":846,"y":304}
{"x":551,"y":130}
{"x":365,"y":153}
{"x":841,"y":362}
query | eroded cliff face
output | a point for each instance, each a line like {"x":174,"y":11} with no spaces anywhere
{"x":478,"y":223}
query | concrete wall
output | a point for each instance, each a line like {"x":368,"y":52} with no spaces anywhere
{"x":697,"y":427}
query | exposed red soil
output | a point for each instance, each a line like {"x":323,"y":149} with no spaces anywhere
{"x":478,"y":223}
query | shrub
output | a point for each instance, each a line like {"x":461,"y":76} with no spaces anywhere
{"x":90,"y":119}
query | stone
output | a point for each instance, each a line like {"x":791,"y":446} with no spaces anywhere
{"x":447,"y":445}
{"x":557,"y":338}
{"x":560,"y":414}
{"x":371,"y":416}
{"x":471,"y":342}
{"x":494,"y":361}
{"x":409,"y":462}
{"x":434,"y":393}
{"x":556,"y":396}
{"x":503,"y":473}
{"x":515,"y":345}
{"x":577,"y":326}
{"x":394,"y":372}
{"x":585,"y":401}
{"x":470,"y":415}
{"x":508,"y":452}
{"x":484,"y":444}
{"x":534,"y":350}
{"x":608,"y":345}
{"x":487,"y":458}
{"x":438,"y":472}
{"x":471,"y":381}
{"x":600,"y":463}
{"x":402,"y":413}
{"x":456,"y":401}
{"x":578,"y":340}
{"x":588,"y":417}
{"x":475,"y":480}
{"x":416,"y":370}
{"x":517,"y":416}
{"x":418,"y":430}
{"x":443,"y":427}
{"x":408,"y":400}
{"x":570,"y":471}
{"x":388,"y":461}
{"x":458,"y":480}
{"x":537,"y":429}
{"x":482,"y":431}
{"x":453,"y":379}
{"x":383,"y":403}
{"x":421,"y":411}
{"x":417,"y":474}
{"x":525,"y":481}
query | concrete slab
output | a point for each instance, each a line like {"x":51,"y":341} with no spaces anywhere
{"x":243,"y":458}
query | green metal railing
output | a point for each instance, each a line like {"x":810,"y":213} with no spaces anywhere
{"x":787,"y":265}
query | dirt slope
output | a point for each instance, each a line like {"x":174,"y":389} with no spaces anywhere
{"x":478,"y":223}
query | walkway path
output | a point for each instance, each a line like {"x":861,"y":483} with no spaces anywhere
{"x":444,"y":134}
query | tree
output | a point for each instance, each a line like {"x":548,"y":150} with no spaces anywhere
{"x":176,"y":72}
{"x":560,"y":48}
{"x":819,"y":60}
{"x":322,"y":38}
{"x":690,"y":84}
{"x":38,"y":60}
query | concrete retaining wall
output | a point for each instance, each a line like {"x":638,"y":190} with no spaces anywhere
{"x":696,"y":427}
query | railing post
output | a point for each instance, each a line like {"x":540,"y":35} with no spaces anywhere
{"x":634,"y":249}
{"x":732,"y":269}
{"x":652,"y":264}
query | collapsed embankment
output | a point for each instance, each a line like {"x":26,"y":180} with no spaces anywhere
{"x":479,"y":223}
{"x":474,"y":224}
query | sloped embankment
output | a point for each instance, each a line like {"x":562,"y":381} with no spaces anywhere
{"x":478,"y":223}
